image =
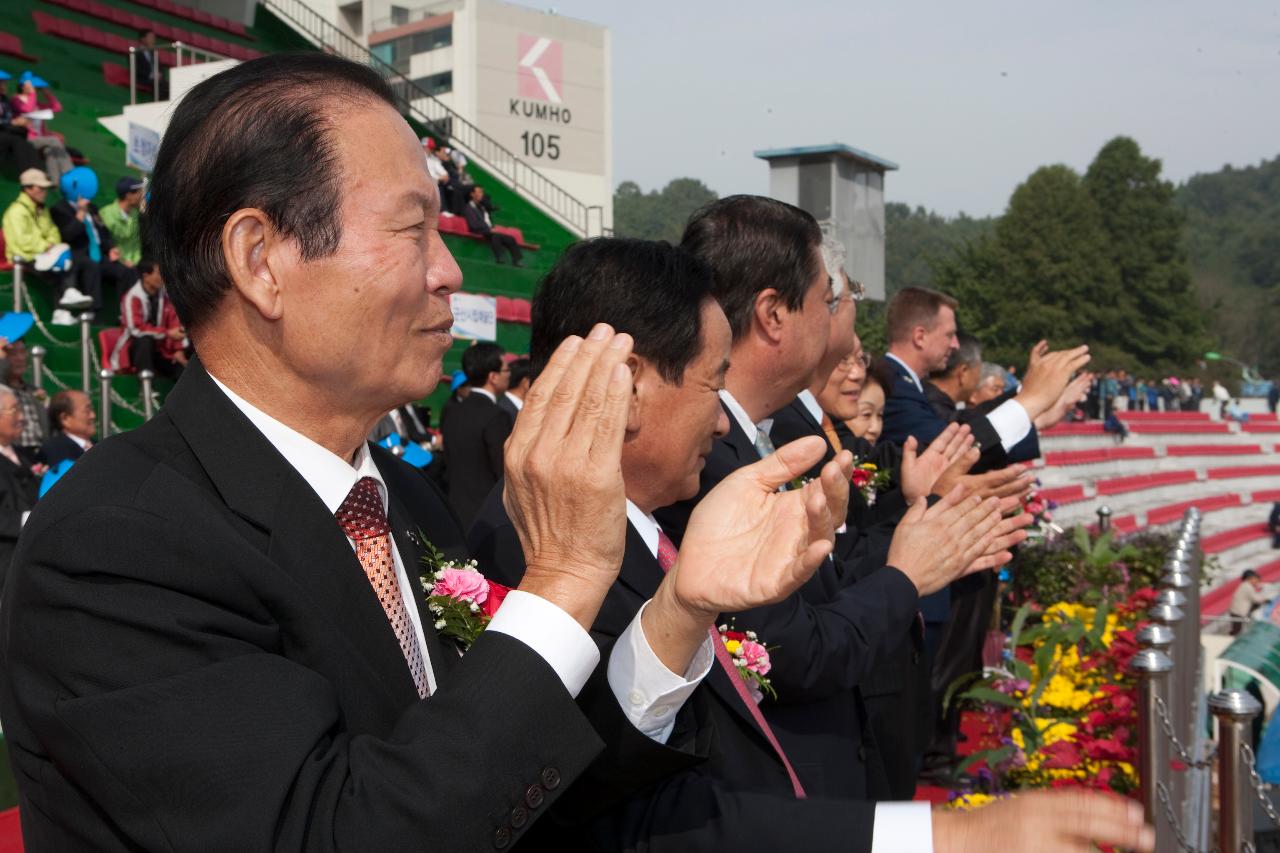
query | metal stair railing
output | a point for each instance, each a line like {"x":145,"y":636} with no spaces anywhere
{"x":582,"y":219}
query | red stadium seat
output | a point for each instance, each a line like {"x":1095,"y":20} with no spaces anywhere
{"x":1213,"y":449}
{"x":1244,"y":471}
{"x":1140,"y":482}
{"x":1229,"y":539}
{"x":1064,"y":494}
{"x":11,"y":45}
{"x":1174,"y":512}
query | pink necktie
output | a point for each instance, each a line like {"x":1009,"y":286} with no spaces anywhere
{"x":667,"y":559}
{"x":363,"y":519}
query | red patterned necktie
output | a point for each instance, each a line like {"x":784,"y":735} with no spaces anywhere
{"x":667,"y":559}
{"x":363,"y":519}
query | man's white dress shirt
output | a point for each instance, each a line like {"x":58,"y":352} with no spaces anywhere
{"x":1010,"y":420}
{"x":634,"y":670}
{"x":515,"y":401}
{"x":899,"y":827}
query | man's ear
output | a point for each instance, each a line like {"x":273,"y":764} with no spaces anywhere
{"x":251,"y":247}
{"x":768,"y":312}
{"x":918,"y":334}
{"x":642,"y":378}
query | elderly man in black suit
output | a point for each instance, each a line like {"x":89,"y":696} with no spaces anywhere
{"x":476,"y":429}
{"x":749,"y":796}
{"x":19,"y":482}
{"x":73,"y":423}
{"x":214,"y":633}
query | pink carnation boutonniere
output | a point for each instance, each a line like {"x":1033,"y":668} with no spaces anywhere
{"x":462,"y":600}
{"x":751,"y":658}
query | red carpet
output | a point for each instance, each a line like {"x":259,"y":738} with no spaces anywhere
{"x":978,"y":732}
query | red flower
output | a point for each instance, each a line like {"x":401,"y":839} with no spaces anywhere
{"x":1061,"y":755}
{"x":861,"y":477}
{"x":497,"y":592}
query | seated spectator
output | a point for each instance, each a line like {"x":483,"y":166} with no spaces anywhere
{"x":94,"y":255}
{"x":1236,"y":412}
{"x":19,"y":479}
{"x":1248,"y":597}
{"x":157,"y":340}
{"x":30,"y":235}
{"x":440,"y":174}
{"x":122,"y":217}
{"x":29,"y":100}
{"x":868,"y":423}
{"x":993,"y":382}
{"x":73,"y":423}
{"x":32,"y":400}
{"x":16,"y":153}
{"x":478,"y":223}
{"x":454,"y":192}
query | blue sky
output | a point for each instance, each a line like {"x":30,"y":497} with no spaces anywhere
{"x":968,"y":98}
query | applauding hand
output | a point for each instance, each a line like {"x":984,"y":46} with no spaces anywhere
{"x":921,"y":472}
{"x":1045,"y":822}
{"x":934,"y":546}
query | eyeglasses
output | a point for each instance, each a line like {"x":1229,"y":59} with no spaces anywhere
{"x":863,"y":358}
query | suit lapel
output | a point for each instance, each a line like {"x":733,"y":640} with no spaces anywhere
{"x":737,"y":441}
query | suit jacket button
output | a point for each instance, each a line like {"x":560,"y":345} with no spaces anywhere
{"x":519,"y":817}
{"x":533,"y":796}
{"x":502,"y":837}
{"x":551,"y":778}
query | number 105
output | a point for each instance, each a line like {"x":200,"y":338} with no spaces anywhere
{"x":537,"y":145}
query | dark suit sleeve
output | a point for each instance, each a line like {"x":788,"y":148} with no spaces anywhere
{"x":475,"y":222}
{"x":168,"y":702}
{"x":496,"y":431}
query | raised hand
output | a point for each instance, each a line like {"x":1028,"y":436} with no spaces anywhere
{"x":934,"y":546}
{"x":1045,"y":822}
{"x":1047,"y":376}
{"x":919,"y":473}
{"x":563,"y":463}
{"x":1012,"y":481}
{"x":746,"y":545}
{"x":1077,"y":389}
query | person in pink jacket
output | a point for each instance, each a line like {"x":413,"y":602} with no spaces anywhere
{"x":35,"y":94}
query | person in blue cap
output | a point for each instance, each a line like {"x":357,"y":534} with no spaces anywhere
{"x":95,"y":258}
{"x":16,"y":153}
{"x":35,"y":94}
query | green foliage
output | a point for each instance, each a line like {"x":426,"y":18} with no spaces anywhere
{"x":658,"y":215}
{"x":1096,"y":571}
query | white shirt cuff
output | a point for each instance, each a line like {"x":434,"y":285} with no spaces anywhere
{"x":902,"y":828}
{"x":650,"y":694}
{"x":1011,"y":423}
{"x":553,"y":634}
{"x":25,"y":515}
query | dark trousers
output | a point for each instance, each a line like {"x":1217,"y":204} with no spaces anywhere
{"x":16,"y":153}
{"x":973,"y":601}
{"x":90,"y":275}
{"x":143,"y":353}
{"x":504,"y":241}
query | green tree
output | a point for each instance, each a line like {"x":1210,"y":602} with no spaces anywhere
{"x":1144,"y":227}
{"x":658,"y":215}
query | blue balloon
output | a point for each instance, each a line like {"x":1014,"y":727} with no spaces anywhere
{"x":80,"y":182}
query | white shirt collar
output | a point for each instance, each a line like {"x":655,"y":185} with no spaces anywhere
{"x":486,"y":392}
{"x":328,"y":474}
{"x":740,"y":415}
{"x":646,"y":525}
{"x":810,"y":403}
{"x":515,"y":401}
{"x":914,"y":378}
{"x":83,"y":442}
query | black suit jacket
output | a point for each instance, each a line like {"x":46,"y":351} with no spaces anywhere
{"x":504,"y":403}
{"x":474,"y":433}
{"x":741,"y":798}
{"x":60,"y":446}
{"x":193,"y":658}
{"x":829,"y":636}
{"x":19,"y":489}
{"x":74,"y":232}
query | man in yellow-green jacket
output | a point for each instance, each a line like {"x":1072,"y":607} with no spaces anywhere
{"x":29,"y":233}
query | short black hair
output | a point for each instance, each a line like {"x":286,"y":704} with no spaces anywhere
{"x":521,"y":369}
{"x":479,"y":361}
{"x":751,"y":243}
{"x":1250,"y":574}
{"x":146,"y":265}
{"x":653,"y":291}
{"x":256,"y":135}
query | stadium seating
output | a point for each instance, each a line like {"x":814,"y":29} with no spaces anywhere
{"x":197,"y":15}
{"x":11,"y":45}
{"x":457,"y":226}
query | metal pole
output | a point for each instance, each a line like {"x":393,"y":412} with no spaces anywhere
{"x":148,"y":405}
{"x":1104,"y":519}
{"x":1234,"y":709}
{"x":1152,"y":668}
{"x":133,"y":75}
{"x":86,"y":353}
{"x":17,"y":287}
{"x":104,"y":402}
{"x":37,"y":367}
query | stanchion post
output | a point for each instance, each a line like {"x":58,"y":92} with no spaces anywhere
{"x":104,"y":402}
{"x":17,"y":287}
{"x":37,"y":367}
{"x":1152,"y":667}
{"x":86,"y":353}
{"x":1234,"y":710}
{"x":1104,"y":519}
{"x":148,"y":404}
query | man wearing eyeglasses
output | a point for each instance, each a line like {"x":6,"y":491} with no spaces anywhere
{"x":476,"y":431}
{"x":19,"y":482}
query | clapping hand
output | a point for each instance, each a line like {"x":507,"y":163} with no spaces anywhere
{"x":919,"y":473}
{"x":1077,"y":389}
{"x":1048,"y":374}
{"x":563,"y":462}
{"x":934,"y":546}
{"x":1045,"y":822}
{"x":747,"y":545}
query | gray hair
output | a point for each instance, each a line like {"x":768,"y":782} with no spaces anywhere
{"x":7,"y":392}
{"x":990,"y":369}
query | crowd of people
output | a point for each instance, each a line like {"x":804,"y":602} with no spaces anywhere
{"x":729,"y":558}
